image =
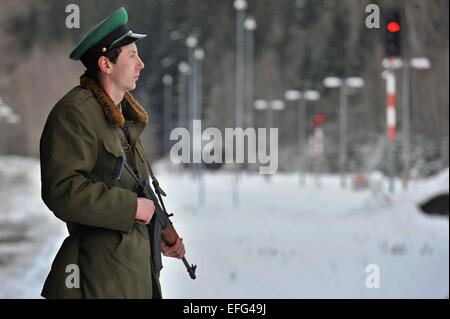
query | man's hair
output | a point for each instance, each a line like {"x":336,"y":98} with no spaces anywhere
{"x":93,"y":71}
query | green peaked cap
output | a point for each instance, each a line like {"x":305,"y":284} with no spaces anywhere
{"x":110,"y":33}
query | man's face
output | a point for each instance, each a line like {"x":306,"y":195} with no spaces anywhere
{"x":125,"y":72}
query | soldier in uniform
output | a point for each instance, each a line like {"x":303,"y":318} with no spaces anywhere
{"x":109,"y":238}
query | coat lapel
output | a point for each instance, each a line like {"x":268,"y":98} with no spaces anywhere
{"x":133,"y":112}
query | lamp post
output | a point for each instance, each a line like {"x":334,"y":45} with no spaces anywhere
{"x":183,"y":72}
{"x":240,"y":6}
{"x":296,"y":96}
{"x":418,"y":63}
{"x":199,"y":55}
{"x":302,"y":98}
{"x":344,"y":85}
{"x":250,"y":27}
{"x":270,"y":108}
{"x":263,"y":105}
{"x":275,"y":107}
{"x":168,"y":102}
{"x":191,"y":43}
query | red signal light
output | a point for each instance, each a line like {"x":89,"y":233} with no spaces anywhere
{"x":393,"y":27}
{"x":319,"y":118}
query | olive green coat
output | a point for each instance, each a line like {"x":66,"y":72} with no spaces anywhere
{"x":79,"y":149}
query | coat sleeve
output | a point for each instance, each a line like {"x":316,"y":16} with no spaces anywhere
{"x":68,"y":152}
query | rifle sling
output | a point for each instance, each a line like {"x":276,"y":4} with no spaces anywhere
{"x":154,"y":228}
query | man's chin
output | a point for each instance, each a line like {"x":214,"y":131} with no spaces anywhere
{"x":132,"y":87}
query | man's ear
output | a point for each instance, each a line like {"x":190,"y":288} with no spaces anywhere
{"x":104,"y":64}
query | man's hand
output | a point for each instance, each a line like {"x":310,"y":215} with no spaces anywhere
{"x":145,"y":210}
{"x":176,"y":251}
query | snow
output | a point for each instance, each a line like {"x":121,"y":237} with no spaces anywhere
{"x":284,"y":240}
{"x":29,"y":233}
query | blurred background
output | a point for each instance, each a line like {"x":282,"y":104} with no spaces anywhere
{"x":362,"y":118}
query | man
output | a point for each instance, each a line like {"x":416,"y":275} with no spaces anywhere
{"x":108,"y":253}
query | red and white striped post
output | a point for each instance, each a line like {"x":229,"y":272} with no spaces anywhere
{"x":391,"y":104}
{"x":391,"y":121}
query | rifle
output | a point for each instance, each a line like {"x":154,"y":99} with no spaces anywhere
{"x":168,"y":233}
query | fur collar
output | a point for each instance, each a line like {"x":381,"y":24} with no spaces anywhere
{"x":133,"y":111}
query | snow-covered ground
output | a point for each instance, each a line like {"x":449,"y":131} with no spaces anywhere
{"x":29,"y":233}
{"x":283,"y":241}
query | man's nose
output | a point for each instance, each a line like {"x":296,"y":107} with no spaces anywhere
{"x":141,"y":64}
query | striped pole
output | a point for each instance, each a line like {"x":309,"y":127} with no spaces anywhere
{"x":391,"y":103}
{"x":391,"y":119}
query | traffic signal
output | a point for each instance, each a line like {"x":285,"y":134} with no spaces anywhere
{"x":319,"y":118}
{"x":393,"y":34}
